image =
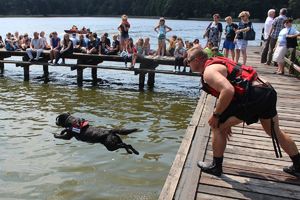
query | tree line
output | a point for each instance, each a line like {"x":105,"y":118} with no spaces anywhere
{"x":180,"y":9}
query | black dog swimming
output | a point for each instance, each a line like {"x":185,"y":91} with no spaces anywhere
{"x":81,"y":130}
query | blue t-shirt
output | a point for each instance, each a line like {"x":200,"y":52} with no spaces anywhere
{"x":282,"y":35}
{"x":55,"y":42}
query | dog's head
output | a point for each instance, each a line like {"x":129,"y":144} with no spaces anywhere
{"x":61,"y":120}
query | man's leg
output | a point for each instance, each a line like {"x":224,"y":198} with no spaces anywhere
{"x":265,"y":50}
{"x":271,"y":50}
{"x":219,"y":140}
{"x":287,"y":144}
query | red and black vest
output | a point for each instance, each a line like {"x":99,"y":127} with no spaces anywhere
{"x":240,"y":76}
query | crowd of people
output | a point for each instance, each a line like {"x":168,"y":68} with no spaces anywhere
{"x":85,"y":41}
{"x":279,"y":36}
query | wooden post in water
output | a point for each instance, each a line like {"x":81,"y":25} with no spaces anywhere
{"x":79,"y":76}
{"x":142,"y":80}
{"x":26,"y":72}
{"x":46,"y":73}
{"x":151,"y":79}
{"x":94,"y":76}
{"x":1,"y":67}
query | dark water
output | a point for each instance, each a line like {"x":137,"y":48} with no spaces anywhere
{"x":34,"y":165}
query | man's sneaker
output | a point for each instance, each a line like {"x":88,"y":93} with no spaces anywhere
{"x":292,"y":170}
{"x":210,"y":168}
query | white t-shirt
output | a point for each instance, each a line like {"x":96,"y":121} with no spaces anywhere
{"x":267,"y":27}
{"x":43,"y":42}
{"x":36,"y":43}
{"x":282,"y":35}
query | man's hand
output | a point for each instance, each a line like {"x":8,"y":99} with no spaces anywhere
{"x":213,"y":122}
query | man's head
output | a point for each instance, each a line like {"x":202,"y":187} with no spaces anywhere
{"x":196,"y":59}
{"x":271,"y":13}
{"x":283,"y":11}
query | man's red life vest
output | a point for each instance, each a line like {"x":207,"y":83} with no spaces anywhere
{"x":240,"y":76}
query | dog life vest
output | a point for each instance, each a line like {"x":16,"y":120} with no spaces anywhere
{"x":240,"y":76}
{"x":76,"y":124}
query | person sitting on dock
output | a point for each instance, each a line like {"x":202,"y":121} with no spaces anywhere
{"x":172,"y":45}
{"x":128,"y":54}
{"x":103,"y":47}
{"x":219,"y":78}
{"x":35,"y":47}
{"x":26,"y":42}
{"x":1,"y":42}
{"x":67,"y":49}
{"x":114,"y":50}
{"x":55,"y":46}
{"x":9,"y":43}
{"x":81,"y":45}
{"x":92,"y":47}
{"x":44,"y":42}
{"x":180,"y":54}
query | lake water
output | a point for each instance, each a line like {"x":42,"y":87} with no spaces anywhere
{"x":34,"y":165}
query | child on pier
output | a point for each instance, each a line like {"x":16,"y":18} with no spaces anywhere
{"x":161,"y":30}
{"x":172,"y":45}
{"x":128,"y":54}
{"x":180,"y":53}
{"x":124,"y":28}
{"x":55,"y":46}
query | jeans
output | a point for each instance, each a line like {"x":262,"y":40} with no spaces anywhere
{"x":30,"y":51}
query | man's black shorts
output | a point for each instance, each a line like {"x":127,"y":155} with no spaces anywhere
{"x":260,"y":103}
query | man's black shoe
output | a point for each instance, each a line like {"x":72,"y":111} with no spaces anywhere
{"x":295,"y":171}
{"x":210,"y":168}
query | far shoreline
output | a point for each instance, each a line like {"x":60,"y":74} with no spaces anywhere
{"x":117,"y":16}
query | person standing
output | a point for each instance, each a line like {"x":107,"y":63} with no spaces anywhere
{"x":241,"y":44}
{"x":282,"y":48}
{"x":214,"y":31}
{"x":124,"y":29}
{"x":267,"y":28}
{"x":230,"y":35}
{"x":161,"y":29}
{"x":277,"y":26}
{"x":220,"y":80}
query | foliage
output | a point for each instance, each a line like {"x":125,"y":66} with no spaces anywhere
{"x":167,"y":8}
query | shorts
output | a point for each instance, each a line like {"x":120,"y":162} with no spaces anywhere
{"x":228,"y":45}
{"x":241,"y":44}
{"x":124,"y":36}
{"x":261,"y":104}
{"x":279,"y":54}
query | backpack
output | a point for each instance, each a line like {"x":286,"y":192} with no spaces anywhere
{"x":240,"y":76}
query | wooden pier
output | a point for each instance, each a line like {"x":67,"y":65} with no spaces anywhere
{"x":251,"y":170}
{"x":148,"y":66}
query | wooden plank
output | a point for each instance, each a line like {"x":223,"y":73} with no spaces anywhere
{"x":202,"y":196}
{"x":172,"y":180}
{"x":264,"y":187}
{"x":227,"y":193}
{"x":271,"y":175}
{"x":137,"y":70}
{"x":191,"y":171}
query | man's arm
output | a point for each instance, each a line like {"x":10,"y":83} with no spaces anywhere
{"x":215,"y":77}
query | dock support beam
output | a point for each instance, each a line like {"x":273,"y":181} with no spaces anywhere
{"x":151,"y":79}
{"x":79,"y":76}
{"x":1,"y":67}
{"x":26,"y":72}
{"x":46,"y":73}
{"x":94,"y":76}
{"x":142,"y":80}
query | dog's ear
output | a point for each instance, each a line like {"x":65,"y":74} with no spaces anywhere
{"x":61,"y":119}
